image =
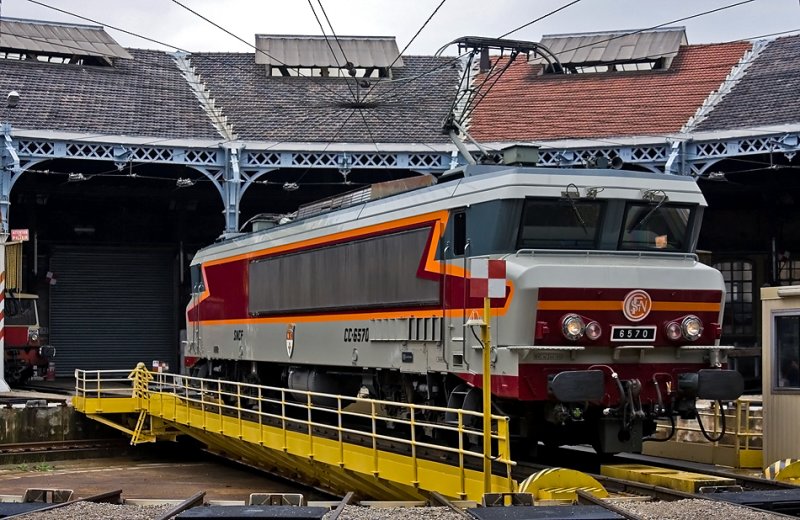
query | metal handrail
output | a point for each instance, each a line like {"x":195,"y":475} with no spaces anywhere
{"x":608,"y":252}
{"x":246,"y":402}
{"x":738,"y":420}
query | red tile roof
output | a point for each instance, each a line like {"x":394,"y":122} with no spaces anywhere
{"x":527,"y":106}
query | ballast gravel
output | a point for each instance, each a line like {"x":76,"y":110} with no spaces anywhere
{"x":92,"y":511}
{"x":678,"y":510}
{"x":692,"y":509}
{"x":398,"y":513}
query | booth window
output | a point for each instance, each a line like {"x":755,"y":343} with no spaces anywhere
{"x":787,"y":351}
{"x":738,"y":318}
{"x":788,"y":272}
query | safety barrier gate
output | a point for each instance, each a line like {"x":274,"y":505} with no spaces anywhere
{"x":381,"y":449}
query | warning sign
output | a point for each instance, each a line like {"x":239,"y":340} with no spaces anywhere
{"x":20,"y":235}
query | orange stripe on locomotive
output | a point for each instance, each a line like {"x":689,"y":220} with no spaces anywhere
{"x":224,"y":300}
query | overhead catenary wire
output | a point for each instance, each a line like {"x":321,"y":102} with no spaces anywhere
{"x":482,"y":94}
{"x":380,"y":96}
{"x":349,"y":64}
{"x":551,"y":13}
{"x":402,"y":80}
{"x":638,"y":31}
{"x":546,"y":15}
{"x":137,"y":35}
{"x":422,"y":27}
{"x":471,"y":109}
{"x":234,"y":35}
{"x":116,"y":28}
{"x":703,"y":68}
{"x":783,"y":32}
{"x":168,"y":68}
{"x":333,"y":54}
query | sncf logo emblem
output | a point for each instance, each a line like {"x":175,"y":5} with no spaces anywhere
{"x":636,"y":305}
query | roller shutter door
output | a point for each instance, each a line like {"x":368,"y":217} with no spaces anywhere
{"x":112,"y":307}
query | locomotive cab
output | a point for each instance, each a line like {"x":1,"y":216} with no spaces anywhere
{"x":27,"y":352}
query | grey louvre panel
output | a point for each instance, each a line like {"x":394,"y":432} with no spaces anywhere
{"x":112,"y":307}
{"x":379,"y":271}
{"x":314,"y":51}
{"x":58,"y":38}
{"x":614,"y":47}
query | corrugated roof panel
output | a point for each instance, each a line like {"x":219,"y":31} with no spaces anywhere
{"x":50,"y":37}
{"x":580,"y":49}
{"x":610,"y":47}
{"x":12,"y":41}
{"x":621,"y":49}
{"x":315,"y":51}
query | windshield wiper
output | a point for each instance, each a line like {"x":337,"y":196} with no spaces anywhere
{"x":651,"y":196}
{"x":571,"y":196}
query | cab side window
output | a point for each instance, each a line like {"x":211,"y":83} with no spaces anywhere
{"x":459,"y":233}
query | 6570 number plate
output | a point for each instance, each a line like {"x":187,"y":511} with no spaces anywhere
{"x":633,"y":333}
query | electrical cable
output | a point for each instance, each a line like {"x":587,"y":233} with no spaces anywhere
{"x":424,"y":24}
{"x":638,"y":31}
{"x":351,"y":69}
{"x":554,"y":11}
{"x":404,"y":80}
{"x":696,"y":15}
{"x":383,"y":95}
{"x":333,"y":54}
{"x":230,"y":33}
{"x":482,"y":95}
{"x":84,"y":18}
{"x":722,"y":425}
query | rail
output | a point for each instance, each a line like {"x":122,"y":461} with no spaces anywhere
{"x":377,"y":425}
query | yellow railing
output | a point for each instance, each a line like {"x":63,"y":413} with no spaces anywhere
{"x":373,"y":424}
{"x":740,"y":446}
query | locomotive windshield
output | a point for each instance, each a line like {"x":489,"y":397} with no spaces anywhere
{"x":649,"y":226}
{"x":572,"y":223}
{"x":561,"y":224}
{"x":20,"y":311}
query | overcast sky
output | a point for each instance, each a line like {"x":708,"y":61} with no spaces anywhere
{"x":166,"y":21}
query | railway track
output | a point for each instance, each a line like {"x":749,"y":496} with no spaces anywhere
{"x":737,"y":500}
{"x":56,"y":446}
{"x":624,"y":489}
{"x":22,"y":452}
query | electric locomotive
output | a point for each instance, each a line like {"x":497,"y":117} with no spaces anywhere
{"x":609,"y":321}
{"x":27,"y":353}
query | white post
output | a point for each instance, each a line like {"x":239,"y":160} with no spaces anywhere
{"x":3,"y":238}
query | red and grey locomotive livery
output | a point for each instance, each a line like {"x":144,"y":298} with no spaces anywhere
{"x":608,"y":322}
{"x":27,"y":353}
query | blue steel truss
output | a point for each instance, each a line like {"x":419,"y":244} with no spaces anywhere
{"x":233,"y":168}
{"x":681,"y":157}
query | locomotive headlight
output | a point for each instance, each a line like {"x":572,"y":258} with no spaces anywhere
{"x":33,"y":336}
{"x":593,"y":330}
{"x":573,"y":327}
{"x":692,"y":327}
{"x":673,"y":330}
